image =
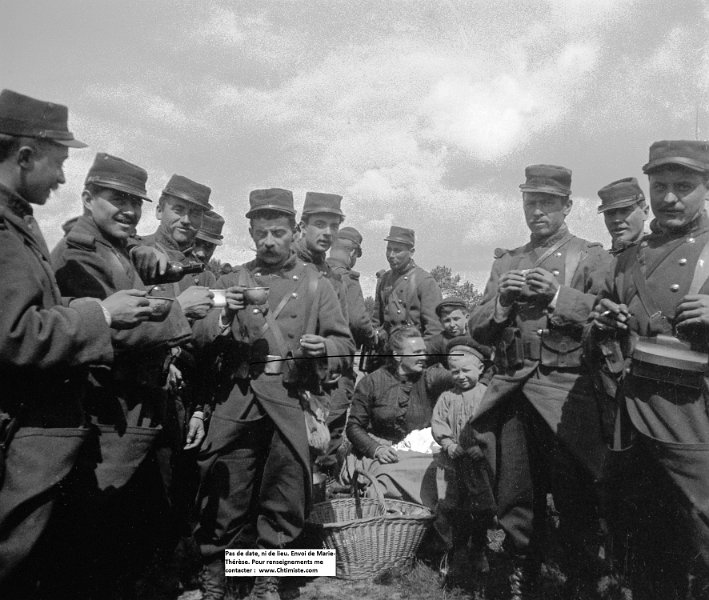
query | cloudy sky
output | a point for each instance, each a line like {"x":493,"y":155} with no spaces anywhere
{"x":420,"y":113}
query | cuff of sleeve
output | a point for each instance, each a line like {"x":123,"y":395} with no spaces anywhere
{"x":502,"y":313}
{"x":106,"y":314}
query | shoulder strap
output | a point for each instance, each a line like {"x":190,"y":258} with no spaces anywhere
{"x":411,"y":293}
{"x":646,"y":300}
{"x":562,"y":242}
{"x":573,"y":259}
{"x":701,"y":271}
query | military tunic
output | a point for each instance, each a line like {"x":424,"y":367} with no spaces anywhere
{"x":546,"y":399}
{"x":45,"y":344}
{"x":255,"y":460}
{"x":408,"y":297}
{"x":671,"y":419}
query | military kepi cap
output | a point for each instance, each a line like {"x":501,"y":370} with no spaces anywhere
{"x":21,"y":115}
{"x":351,"y":235}
{"x":624,"y":192}
{"x":188,"y":190}
{"x":211,"y":229}
{"x":317,"y":202}
{"x":401,"y":235}
{"x":547,"y":179}
{"x":275,"y":199}
{"x":692,"y":154}
{"x":455,"y":302}
{"x":118,"y":174}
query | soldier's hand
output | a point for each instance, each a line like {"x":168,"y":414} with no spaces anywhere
{"x":312,"y":345}
{"x":610,"y":315}
{"x":510,"y":285}
{"x":693,"y":312}
{"x":195,"y":431}
{"x":234,"y":302}
{"x":542,"y":282}
{"x":128,"y":308}
{"x":455,"y":451}
{"x":174,"y":378}
{"x":386,"y":455}
{"x":148,"y":261}
{"x":196,"y":301}
{"x":475,"y":452}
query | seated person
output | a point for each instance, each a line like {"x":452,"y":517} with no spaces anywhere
{"x":387,"y":405}
{"x":466,"y":502}
{"x":453,"y":314}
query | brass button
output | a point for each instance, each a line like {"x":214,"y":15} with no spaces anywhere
{"x":674,"y":287}
{"x":691,"y":240}
{"x":398,"y":311}
{"x":406,"y":278}
{"x":682,"y":261}
{"x":295,"y":278}
{"x":555,"y":272}
{"x":294,"y":295}
{"x":643,"y":244}
{"x":256,"y":311}
{"x":558,"y":253}
{"x":258,"y":274}
{"x":540,"y":331}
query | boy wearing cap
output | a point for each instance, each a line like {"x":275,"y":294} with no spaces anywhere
{"x":534,"y":307}
{"x":656,"y":304}
{"x":406,"y":294}
{"x":126,"y":402}
{"x":46,"y":342}
{"x":624,"y":211}
{"x":453,"y":314}
{"x":255,"y":460}
{"x":466,"y":498}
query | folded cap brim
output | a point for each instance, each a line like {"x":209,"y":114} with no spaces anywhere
{"x":119,"y":187}
{"x":273,"y":207}
{"x":682,"y":161}
{"x":545,"y":189}
{"x":70,"y":143}
{"x":618,"y":204}
{"x":398,"y":241}
{"x":208,"y":238}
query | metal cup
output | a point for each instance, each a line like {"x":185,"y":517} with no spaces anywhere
{"x":219,"y":298}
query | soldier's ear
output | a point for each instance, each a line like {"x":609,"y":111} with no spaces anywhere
{"x":26,"y":156}
{"x":567,"y":206}
{"x":86,"y":198}
{"x":412,"y":250}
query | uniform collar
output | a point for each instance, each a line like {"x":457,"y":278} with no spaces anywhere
{"x":545,"y":242}
{"x":307,"y":255}
{"x":86,"y":227}
{"x":336,"y":262}
{"x":164,"y":239}
{"x":14,"y":202}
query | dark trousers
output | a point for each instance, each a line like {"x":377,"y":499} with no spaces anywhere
{"x":340,"y":401}
{"x":253,"y":493}
{"x":533,"y":462}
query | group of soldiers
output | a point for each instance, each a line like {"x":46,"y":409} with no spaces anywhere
{"x":131,"y":389}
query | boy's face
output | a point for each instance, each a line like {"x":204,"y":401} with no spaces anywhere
{"x":466,"y":369}
{"x":454,"y":321}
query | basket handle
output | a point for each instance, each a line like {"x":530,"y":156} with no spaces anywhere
{"x":356,"y":493}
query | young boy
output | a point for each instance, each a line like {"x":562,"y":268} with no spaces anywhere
{"x":453,"y":314}
{"x":466,"y":500}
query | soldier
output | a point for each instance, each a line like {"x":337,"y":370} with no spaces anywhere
{"x":656,"y":306}
{"x":534,"y":306}
{"x":344,"y":253}
{"x":208,"y":237}
{"x":318,"y":227}
{"x":180,"y":210}
{"x":406,"y":294}
{"x":624,"y":211}
{"x":112,"y":529}
{"x":256,"y":480}
{"x":45,"y":343}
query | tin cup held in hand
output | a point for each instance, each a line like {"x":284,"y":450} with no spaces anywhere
{"x":256,"y":295}
{"x":160,"y":307}
{"x":219,"y":298}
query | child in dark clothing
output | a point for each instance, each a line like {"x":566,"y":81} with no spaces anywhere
{"x":466,"y":498}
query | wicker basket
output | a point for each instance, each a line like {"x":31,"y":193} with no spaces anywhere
{"x":370,"y":535}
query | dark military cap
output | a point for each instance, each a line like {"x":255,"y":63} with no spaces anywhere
{"x":548,"y":179}
{"x":316,"y":202}
{"x":691,"y":154}
{"x":351,"y":235}
{"x":402,"y":235}
{"x":186,"y":189}
{"x":271,"y":199}
{"x":24,"y":116}
{"x":451,"y":302}
{"x":466,"y":344}
{"x":118,"y":174}
{"x":211,"y":230}
{"x":624,"y":192}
